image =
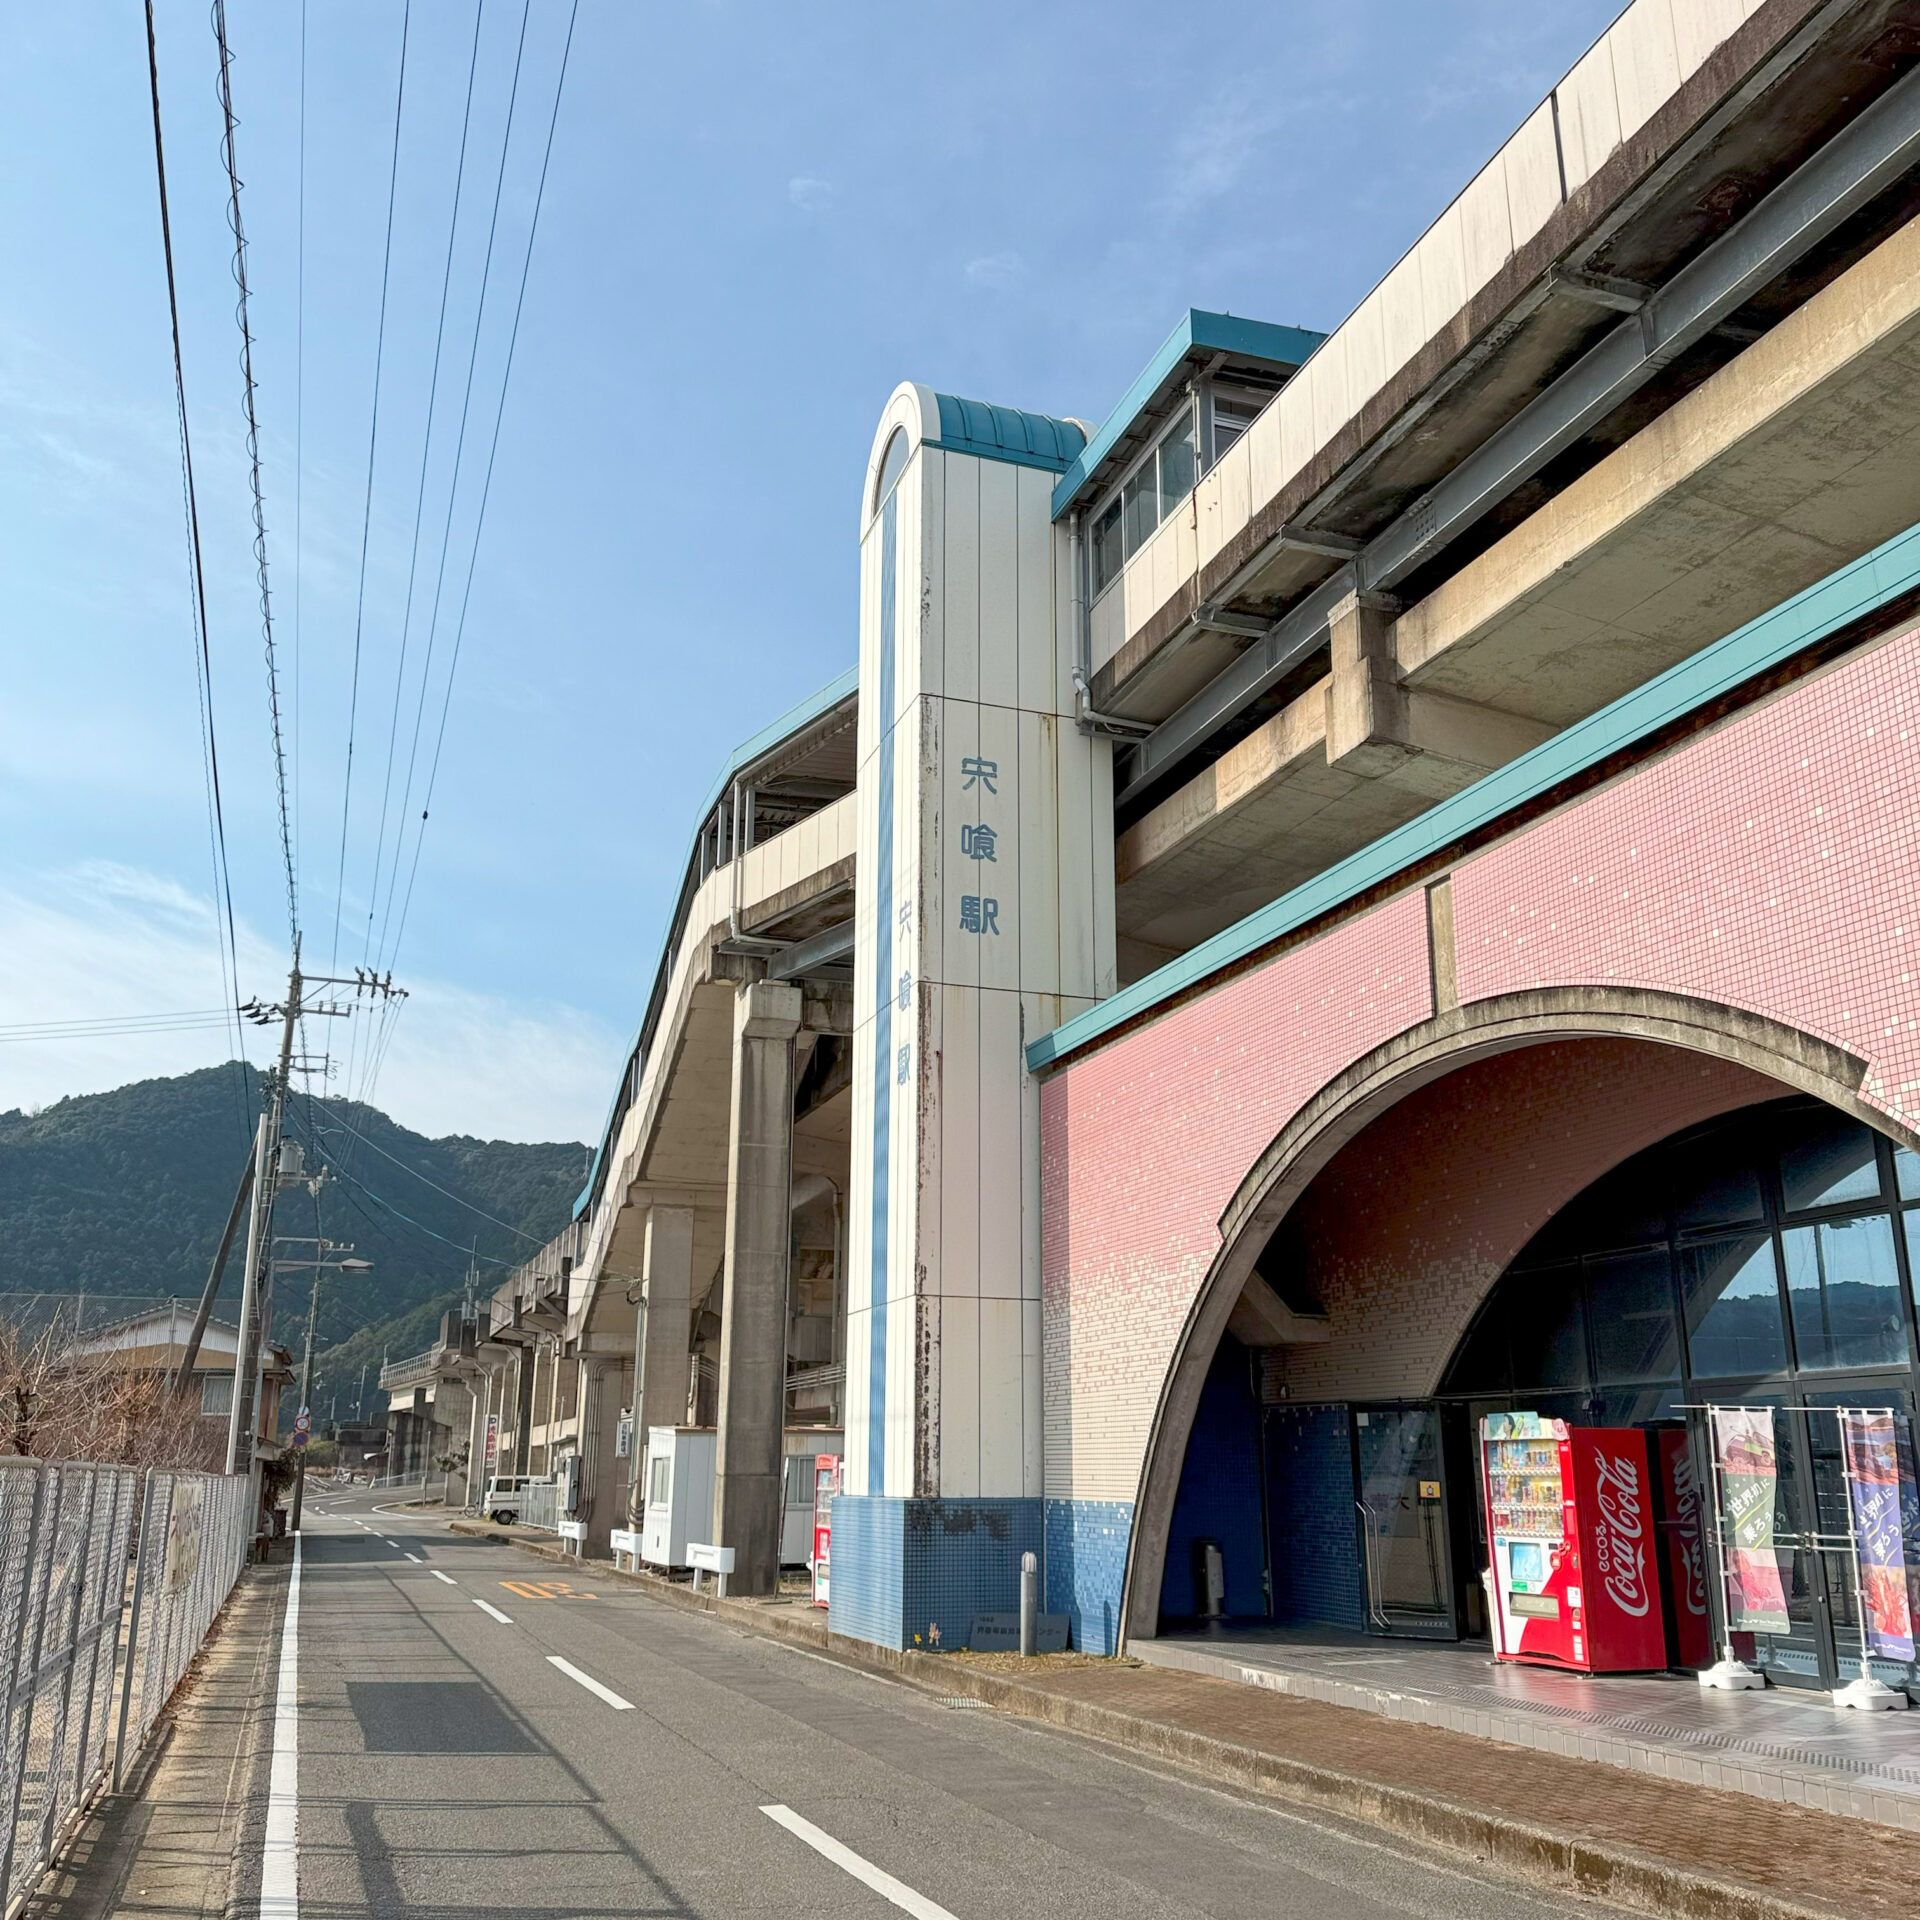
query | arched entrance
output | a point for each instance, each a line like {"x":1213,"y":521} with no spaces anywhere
{"x":1326,"y":1368}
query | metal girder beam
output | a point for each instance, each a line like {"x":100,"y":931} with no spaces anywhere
{"x":1866,"y":156}
{"x":805,"y":956}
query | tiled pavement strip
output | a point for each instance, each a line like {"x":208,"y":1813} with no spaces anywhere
{"x":1657,"y":1844}
{"x":1781,"y":1744}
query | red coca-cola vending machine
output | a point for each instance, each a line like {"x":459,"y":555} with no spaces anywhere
{"x":1571,"y":1527}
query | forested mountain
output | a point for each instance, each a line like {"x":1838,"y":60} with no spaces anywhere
{"x":120,"y":1197}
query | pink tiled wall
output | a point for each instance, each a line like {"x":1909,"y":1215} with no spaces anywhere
{"x":1412,"y":1221}
{"x":1773,"y":864}
{"x":1144,"y":1143}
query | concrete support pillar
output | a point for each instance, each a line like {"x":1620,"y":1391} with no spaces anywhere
{"x":603,"y":1484}
{"x":666,"y":1288}
{"x":1366,"y":704}
{"x":473,"y":1480}
{"x":523,"y":1408}
{"x":753,"y":1318}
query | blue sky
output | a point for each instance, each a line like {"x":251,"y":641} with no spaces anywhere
{"x":755,"y":223}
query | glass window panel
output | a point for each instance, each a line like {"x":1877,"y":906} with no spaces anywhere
{"x":1826,"y":1160}
{"x":1906,"y":1172}
{"x":1229,"y":423}
{"x":1139,"y":509}
{"x":1107,"y":556}
{"x":1844,"y":1288}
{"x":1176,"y":466}
{"x":893,"y":463}
{"x":1634,"y":1406}
{"x":1732,"y":1297}
{"x":1716,"y":1183}
{"x":1481,"y":1364}
{"x":1547,"y":1329}
{"x":1635,"y":1336}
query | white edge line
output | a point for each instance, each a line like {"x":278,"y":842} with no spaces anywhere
{"x":488,"y":1608}
{"x":280,"y":1855}
{"x":590,"y":1683}
{"x":447,"y":1577}
{"x":844,"y":1857}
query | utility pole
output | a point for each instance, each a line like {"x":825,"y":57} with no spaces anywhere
{"x":268,"y":1176}
{"x":322,"y":1262}
{"x":306,"y":1390}
{"x":266,"y":1156}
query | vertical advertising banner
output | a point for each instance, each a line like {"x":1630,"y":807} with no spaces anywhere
{"x":1909,"y":1515}
{"x":1873,"y":1486}
{"x":493,"y":1439}
{"x":1748,"y":1463}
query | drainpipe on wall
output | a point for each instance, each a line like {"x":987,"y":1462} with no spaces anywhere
{"x":737,"y":941}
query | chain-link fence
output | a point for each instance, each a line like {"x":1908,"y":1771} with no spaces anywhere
{"x":66,"y":1541}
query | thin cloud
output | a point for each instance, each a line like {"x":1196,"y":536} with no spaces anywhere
{"x":808,"y":194}
{"x":995,"y":269}
{"x":105,"y":940}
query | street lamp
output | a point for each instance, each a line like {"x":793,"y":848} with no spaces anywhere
{"x":302,"y":1425}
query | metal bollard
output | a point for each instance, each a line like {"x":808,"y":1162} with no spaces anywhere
{"x":1029,"y":1605}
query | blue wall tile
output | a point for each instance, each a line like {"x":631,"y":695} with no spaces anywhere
{"x":910,"y":1573}
{"x":1316,"y":1542}
{"x":864,"y":1594}
{"x":1087,"y":1567}
{"x":1219,"y":1497}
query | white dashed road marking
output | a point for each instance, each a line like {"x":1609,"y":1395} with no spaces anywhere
{"x":844,"y":1857}
{"x":493,"y":1612}
{"x":590,"y":1683}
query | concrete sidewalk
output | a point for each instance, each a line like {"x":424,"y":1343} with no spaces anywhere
{"x":168,"y":1846}
{"x":1657,"y":1845}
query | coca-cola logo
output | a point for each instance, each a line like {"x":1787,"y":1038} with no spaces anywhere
{"x":1621,"y":1538}
{"x":1686,"y":1514}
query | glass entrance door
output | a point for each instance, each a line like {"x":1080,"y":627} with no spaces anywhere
{"x":1403,"y":1521}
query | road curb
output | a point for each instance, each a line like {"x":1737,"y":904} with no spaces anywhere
{"x":1541,"y":1856}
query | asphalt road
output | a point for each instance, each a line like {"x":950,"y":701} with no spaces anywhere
{"x":461,"y":1753}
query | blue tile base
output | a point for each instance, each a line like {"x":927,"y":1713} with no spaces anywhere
{"x":1087,"y":1568}
{"x":913,"y":1573}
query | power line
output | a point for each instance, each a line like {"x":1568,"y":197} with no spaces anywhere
{"x":351,"y":1180}
{"x":459,"y":450}
{"x":367,"y":1140}
{"x":197,"y":595}
{"x":299,"y":419}
{"x":487,"y":485}
{"x":253,"y":456}
{"x":373,"y":441}
{"x":420,"y":496}
{"x":212,"y":1019}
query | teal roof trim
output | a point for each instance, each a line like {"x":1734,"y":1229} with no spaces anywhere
{"x":1004,"y":433}
{"x":1211,"y":333}
{"x":1814,"y":614}
{"x":770,"y":736}
{"x":748,"y":751}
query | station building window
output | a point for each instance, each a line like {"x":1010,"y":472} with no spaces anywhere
{"x":1162,"y":477}
{"x":893,"y":463}
{"x":1776,"y":1244}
